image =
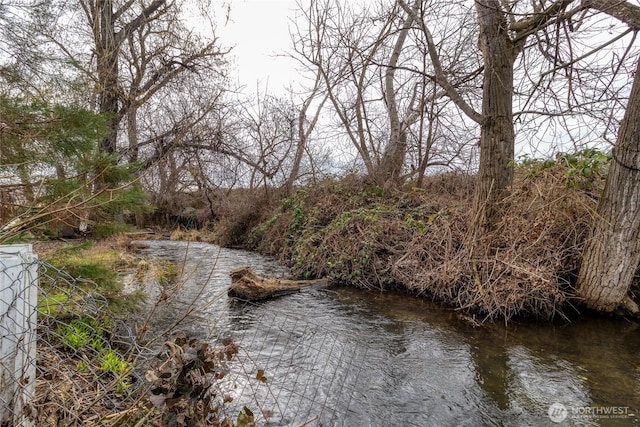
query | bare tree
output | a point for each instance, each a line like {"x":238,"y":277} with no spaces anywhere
{"x":504,"y":28}
{"x":111,"y":28}
{"x":338,"y":45}
{"x":127,"y":53}
{"x":378,"y":85}
{"x":176,"y":59}
{"x":392,"y":161}
{"x":268,"y":129}
{"x":306,"y":126}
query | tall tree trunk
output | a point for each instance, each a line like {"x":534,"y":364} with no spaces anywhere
{"x":497,"y":138}
{"x":107,"y":50}
{"x":297,"y":159}
{"x":392,"y":162}
{"x":304,"y":131}
{"x":612,"y":254}
{"x":109,"y":32}
{"x":132,"y":133}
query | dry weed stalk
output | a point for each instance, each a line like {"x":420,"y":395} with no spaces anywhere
{"x":523,"y":268}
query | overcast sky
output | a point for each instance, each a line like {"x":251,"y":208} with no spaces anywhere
{"x":259,"y":30}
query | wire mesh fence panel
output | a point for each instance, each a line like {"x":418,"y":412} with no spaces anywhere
{"x":85,"y":373}
{"x":293,"y":371}
{"x":264,"y":368}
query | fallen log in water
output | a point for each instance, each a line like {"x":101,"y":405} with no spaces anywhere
{"x":247,"y":285}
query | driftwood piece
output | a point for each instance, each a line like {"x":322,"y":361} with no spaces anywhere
{"x":247,"y":285}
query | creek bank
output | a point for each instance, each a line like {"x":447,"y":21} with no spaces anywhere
{"x":416,"y":239}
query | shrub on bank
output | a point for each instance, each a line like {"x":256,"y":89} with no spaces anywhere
{"x":416,"y":239}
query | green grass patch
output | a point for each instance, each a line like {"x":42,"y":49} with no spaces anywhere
{"x":109,"y":229}
{"x":54,"y":304}
{"x":113,"y":363}
{"x":82,"y":332}
{"x":80,"y":270}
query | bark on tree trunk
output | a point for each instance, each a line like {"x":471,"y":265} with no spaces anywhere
{"x":107,"y":68}
{"x":297,"y":158}
{"x":612,"y":254}
{"x":132,"y":133}
{"x":390,"y":167}
{"x":495,"y":173}
{"x":304,"y":132}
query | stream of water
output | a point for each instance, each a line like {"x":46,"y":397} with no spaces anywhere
{"x":348,"y":357}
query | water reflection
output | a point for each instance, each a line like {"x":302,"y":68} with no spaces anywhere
{"x":382,"y":359}
{"x":521,"y":370}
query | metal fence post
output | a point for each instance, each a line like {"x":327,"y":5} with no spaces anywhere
{"x":18,"y":324}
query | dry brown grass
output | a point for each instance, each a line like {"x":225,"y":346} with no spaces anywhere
{"x":72,"y":391}
{"x":524,"y":268}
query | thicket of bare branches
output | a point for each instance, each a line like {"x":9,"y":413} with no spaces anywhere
{"x":400,"y":90}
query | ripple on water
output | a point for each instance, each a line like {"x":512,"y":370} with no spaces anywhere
{"x":380,"y":359}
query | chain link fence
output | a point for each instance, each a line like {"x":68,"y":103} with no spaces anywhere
{"x":295,"y":371}
{"x":66,"y":360}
